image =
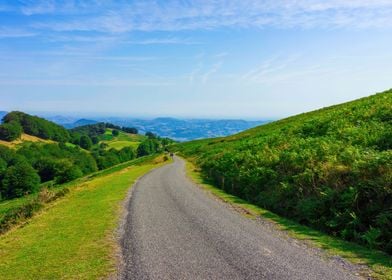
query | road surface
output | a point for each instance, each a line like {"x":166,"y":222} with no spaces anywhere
{"x":175,"y":230}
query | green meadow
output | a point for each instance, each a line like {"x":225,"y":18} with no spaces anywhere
{"x":73,"y":237}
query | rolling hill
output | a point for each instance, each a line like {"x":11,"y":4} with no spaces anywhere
{"x":34,"y":150}
{"x":330,"y":169}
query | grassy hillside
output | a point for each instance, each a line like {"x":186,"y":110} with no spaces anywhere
{"x":122,"y":140}
{"x":330,"y":169}
{"x":72,"y":238}
{"x":24,"y":138}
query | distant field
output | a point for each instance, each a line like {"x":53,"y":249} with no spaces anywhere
{"x":122,"y":140}
{"x":122,"y":144}
{"x":73,"y":238}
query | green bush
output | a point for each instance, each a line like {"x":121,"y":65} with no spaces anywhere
{"x":66,"y":171}
{"x":19,"y":180}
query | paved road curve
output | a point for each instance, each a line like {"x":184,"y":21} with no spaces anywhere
{"x":174,"y":230}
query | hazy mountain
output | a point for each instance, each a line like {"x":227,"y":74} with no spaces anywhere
{"x":62,"y":120}
{"x":80,"y":122}
{"x":2,"y":114}
{"x":177,"y":129}
{"x":186,"y":129}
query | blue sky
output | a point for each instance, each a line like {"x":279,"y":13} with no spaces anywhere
{"x":219,"y":59}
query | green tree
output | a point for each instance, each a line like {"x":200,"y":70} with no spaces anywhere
{"x":147,"y":147}
{"x":67,"y":171}
{"x":115,"y":132}
{"x":10,"y":131}
{"x":95,"y":140}
{"x":19,"y":180}
{"x":151,"y":135}
{"x":85,"y":142}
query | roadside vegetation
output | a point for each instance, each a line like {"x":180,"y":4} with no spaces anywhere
{"x":73,"y":237}
{"x":380,"y":263}
{"x":35,"y":153}
{"x":330,"y":169}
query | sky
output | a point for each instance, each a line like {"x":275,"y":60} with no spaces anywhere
{"x":249,"y":59}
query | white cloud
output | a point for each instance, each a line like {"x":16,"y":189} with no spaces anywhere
{"x":174,"y":15}
{"x":6,"y":32}
{"x":214,"y":68}
{"x":38,"y":7}
{"x":164,"y":41}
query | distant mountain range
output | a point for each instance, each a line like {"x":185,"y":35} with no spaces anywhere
{"x":177,"y":129}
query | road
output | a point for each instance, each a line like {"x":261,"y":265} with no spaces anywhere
{"x":175,"y":230}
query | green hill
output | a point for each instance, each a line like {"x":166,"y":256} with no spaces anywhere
{"x":35,"y":151}
{"x":330,"y":169}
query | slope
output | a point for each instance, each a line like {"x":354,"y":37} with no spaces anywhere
{"x":330,"y":169}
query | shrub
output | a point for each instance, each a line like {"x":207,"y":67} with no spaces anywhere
{"x":67,"y":172}
{"x":19,"y":180}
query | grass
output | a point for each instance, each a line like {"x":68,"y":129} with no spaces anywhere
{"x":122,"y":140}
{"x":74,"y":237}
{"x":118,"y":145}
{"x":14,"y":203}
{"x":24,"y":138}
{"x":379,"y":262}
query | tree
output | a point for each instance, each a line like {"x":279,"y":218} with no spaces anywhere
{"x":19,"y":180}
{"x":39,"y":127}
{"x":47,"y":168}
{"x":150,"y":135}
{"x":115,"y":132}
{"x":10,"y":131}
{"x":131,"y":130}
{"x":95,"y":140}
{"x":85,"y":142}
{"x":147,"y":147}
{"x":126,"y":153}
{"x":67,"y":171}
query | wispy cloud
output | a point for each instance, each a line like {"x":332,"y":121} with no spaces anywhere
{"x":6,"y":32}
{"x":174,"y":15}
{"x":84,"y":82}
{"x":264,"y":71}
{"x":164,"y":41}
{"x":214,"y":68}
{"x":38,"y":7}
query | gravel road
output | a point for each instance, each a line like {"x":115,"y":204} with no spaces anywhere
{"x":175,"y":230}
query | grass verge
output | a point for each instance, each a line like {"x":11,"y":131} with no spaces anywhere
{"x":379,"y":262}
{"x":74,"y":237}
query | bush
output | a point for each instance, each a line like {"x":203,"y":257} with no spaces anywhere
{"x":15,"y":216}
{"x":19,"y":180}
{"x":67,"y":172}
